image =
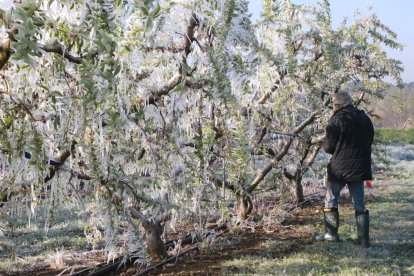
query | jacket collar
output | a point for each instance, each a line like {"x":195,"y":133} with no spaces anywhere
{"x":348,"y":107}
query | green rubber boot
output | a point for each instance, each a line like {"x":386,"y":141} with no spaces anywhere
{"x":331,"y":218}
{"x":362,"y":221}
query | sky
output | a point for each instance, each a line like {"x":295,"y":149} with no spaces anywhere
{"x":5,"y":4}
{"x":398,"y":15}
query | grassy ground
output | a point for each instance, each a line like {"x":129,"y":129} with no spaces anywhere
{"x":283,"y":247}
{"x":389,"y":136}
{"x":291,"y":249}
{"x":30,"y":249}
{"x":391,"y":253}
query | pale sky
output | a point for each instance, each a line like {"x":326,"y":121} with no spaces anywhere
{"x":398,"y":15}
{"x":5,"y":4}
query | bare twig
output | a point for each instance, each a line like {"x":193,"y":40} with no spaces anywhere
{"x":20,"y":103}
{"x":76,"y":192}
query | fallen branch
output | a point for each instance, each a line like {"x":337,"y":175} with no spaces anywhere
{"x":168,"y":260}
{"x":105,"y":268}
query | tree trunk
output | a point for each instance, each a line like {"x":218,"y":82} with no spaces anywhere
{"x":153,"y":231}
{"x":154,"y":244}
{"x":297,"y":188}
{"x":244,"y":207}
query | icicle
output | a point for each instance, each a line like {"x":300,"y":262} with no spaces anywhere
{"x":75,"y":124}
{"x":62,"y":120}
{"x":101,"y":138}
{"x":32,"y":202}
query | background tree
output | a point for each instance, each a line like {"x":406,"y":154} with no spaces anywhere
{"x":394,"y":110}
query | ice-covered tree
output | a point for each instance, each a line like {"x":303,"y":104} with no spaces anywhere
{"x":144,"y":112}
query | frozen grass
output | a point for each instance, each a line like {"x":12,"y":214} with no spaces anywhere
{"x":397,"y":161}
{"x":392,"y":233}
{"x":29,"y":248}
{"x":392,"y":248}
{"x":24,"y":247}
{"x":397,"y":153}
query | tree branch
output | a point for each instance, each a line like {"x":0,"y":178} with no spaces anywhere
{"x":219,"y":184}
{"x":281,"y":154}
{"x":189,"y":38}
{"x":314,"y":154}
{"x":21,"y":104}
{"x":54,"y":47}
{"x":136,"y":214}
{"x":170,"y":85}
{"x":360,"y":98}
{"x":287,"y":174}
{"x":78,"y":175}
{"x":177,"y":78}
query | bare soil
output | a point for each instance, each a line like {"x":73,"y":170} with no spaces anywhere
{"x":290,"y":234}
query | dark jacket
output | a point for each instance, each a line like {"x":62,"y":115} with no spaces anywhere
{"x":349,"y":136}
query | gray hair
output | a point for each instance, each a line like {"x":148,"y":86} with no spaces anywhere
{"x":342,"y":98}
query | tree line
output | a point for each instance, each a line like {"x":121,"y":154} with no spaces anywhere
{"x":395,"y":110}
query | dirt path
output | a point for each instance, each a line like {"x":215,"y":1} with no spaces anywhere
{"x":279,"y":240}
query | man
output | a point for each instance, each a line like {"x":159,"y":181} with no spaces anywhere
{"x":349,"y":136}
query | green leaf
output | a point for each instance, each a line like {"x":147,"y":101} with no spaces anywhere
{"x":179,"y":88}
{"x":29,"y":23}
{"x":56,"y":92}
{"x":144,"y":11}
{"x":156,"y":11}
{"x":45,"y":87}
{"x":49,"y":3}
{"x":56,"y":122}
{"x":117,"y":69}
{"x":149,"y":24}
{"x":2,"y":13}
{"x":8,"y":121}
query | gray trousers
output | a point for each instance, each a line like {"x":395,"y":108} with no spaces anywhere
{"x":356,"y":189}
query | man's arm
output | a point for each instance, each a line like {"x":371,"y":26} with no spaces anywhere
{"x":331,"y":138}
{"x":371,"y":131}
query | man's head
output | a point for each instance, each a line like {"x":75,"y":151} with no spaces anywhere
{"x":341,"y":99}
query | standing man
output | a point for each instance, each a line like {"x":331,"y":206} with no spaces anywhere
{"x":349,"y":136}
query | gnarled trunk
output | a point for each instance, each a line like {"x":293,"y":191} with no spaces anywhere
{"x":153,"y":231}
{"x":296,"y":188}
{"x":155,"y":246}
{"x":244,"y":207}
